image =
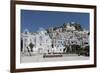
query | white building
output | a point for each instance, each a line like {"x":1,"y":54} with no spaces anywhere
{"x":54,"y":41}
{"x":40,"y":41}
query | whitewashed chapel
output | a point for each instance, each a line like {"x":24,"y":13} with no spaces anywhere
{"x":40,"y":41}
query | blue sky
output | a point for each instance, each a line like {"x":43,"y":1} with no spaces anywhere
{"x":33,"y":20}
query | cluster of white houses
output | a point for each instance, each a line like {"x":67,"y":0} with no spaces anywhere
{"x":53,"y":39}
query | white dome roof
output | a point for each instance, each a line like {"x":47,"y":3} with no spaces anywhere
{"x":26,"y":31}
{"x":42,"y":31}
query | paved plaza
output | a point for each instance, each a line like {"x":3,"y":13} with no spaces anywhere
{"x":39,"y":58}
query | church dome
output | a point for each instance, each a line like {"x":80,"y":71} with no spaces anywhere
{"x":42,"y":31}
{"x":26,"y":31}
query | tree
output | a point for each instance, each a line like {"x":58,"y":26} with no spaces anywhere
{"x":78,"y":27}
{"x":87,"y":50}
{"x":31,"y":46}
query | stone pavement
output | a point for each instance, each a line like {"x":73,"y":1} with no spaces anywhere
{"x":39,"y":58}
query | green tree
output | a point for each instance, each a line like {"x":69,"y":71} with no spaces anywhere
{"x":31,"y":45}
{"x":77,"y":26}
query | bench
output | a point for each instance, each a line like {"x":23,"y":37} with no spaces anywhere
{"x":52,"y":55}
